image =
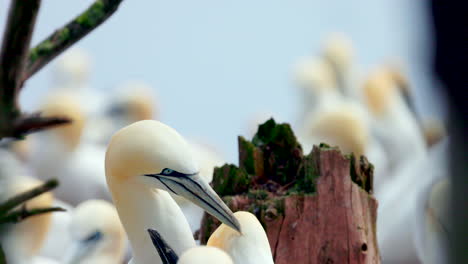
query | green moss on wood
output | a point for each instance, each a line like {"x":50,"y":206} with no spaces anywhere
{"x":247,"y":155}
{"x":230,"y":180}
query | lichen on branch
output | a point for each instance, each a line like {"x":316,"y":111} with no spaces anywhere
{"x":69,"y":34}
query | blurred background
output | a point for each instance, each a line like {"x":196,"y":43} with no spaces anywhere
{"x":217,"y":69}
{"x":215,"y":64}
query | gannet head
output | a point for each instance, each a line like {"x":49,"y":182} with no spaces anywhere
{"x":315,"y":75}
{"x":251,"y":246}
{"x":73,"y":67}
{"x":64,"y":105}
{"x":96,"y":231}
{"x":153,"y":155}
{"x":31,"y":233}
{"x":380,"y":91}
{"x":338,"y":49}
{"x":343,"y":126}
{"x":135,"y":102}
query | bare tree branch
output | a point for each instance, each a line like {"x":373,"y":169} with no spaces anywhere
{"x":34,"y":122}
{"x":68,"y":35}
{"x":16,"y":42}
{"x":25,"y":196}
{"x":23,"y":213}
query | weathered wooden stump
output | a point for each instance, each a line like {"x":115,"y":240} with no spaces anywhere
{"x":316,"y":208}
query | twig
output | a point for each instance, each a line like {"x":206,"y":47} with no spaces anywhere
{"x":23,"y":213}
{"x":71,"y":33}
{"x":16,"y":41}
{"x":34,"y":122}
{"x":23,"y":197}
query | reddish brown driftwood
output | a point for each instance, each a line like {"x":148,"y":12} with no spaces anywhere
{"x":333,"y":224}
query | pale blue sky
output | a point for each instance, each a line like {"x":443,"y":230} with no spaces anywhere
{"x":214,"y":63}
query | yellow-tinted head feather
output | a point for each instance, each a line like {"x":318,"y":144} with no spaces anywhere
{"x":338,"y":49}
{"x":342,"y":127}
{"x":241,"y":247}
{"x":147,"y":147}
{"x":33,"y":230}
{"x":138,"y":99}
{"x":379,"y":90}
{"x":64,"y":105}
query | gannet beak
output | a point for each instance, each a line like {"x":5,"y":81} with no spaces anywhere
{"x":193,"y":188}
{"x":83,"y":248}
{"x":166,"y":253}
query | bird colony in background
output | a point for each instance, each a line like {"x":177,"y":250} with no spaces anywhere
{"x":122,"y":174}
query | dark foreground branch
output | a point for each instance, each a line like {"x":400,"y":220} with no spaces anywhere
{"x":16,"y":41}
{"x":71,"y":33}
{"x":23,"y":213}
{"x":13,"y":202}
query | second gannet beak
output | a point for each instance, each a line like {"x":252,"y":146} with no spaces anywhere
{"x":195,"y":189}
{"x":82,"y":249}
{"x":166,"y":253}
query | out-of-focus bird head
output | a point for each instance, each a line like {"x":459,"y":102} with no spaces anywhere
{"x":344,"y":126}
{"x":96,"y":231}
{"x":338,"y":49}
{"x":380,"y":91}
{"x":152,"y":155}
{"x":73,"y":68}
{"x":315,"y":75}
{"x":64,"y":105}
{"x":135,"y":101}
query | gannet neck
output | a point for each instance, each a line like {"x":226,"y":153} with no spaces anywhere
{"x":141,"y":208}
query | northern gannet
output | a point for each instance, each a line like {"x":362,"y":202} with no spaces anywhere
{"x":97,"y":234}
{"x":144,"y":161}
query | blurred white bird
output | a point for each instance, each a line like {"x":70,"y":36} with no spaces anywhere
{"x":401,"y":216}
{"x":315,"y":78}
{"x":433,"y":222}
{"x":132,"y":101}
{"x":97,"y":234}
{"x":60,"y":153}
{"x":394,"y":125}
{"x":250,"y":247}
{"x":58,"y":239}
{"x":72,"y":75}
{"x":346,"y":126}
{"x":144,"y":161}
{"x":22,"y":242}
{"x":338,"y":51}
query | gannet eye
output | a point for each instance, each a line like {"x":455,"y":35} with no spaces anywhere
{"x":167,"y":171}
